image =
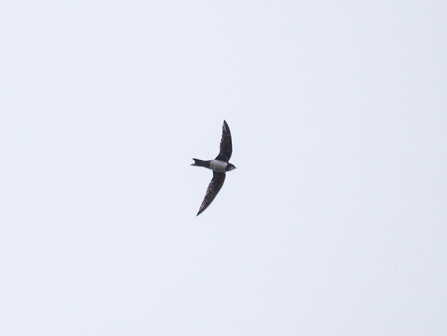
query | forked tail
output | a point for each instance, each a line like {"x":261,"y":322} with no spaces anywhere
{"x":199,"y":163}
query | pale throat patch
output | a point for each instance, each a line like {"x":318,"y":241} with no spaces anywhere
{"x":218,"y":166}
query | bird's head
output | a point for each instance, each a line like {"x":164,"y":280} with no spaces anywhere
{"x":230,"y":167}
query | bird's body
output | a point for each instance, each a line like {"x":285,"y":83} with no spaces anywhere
{"x":220,"y":165}
{"x":215,"y":165}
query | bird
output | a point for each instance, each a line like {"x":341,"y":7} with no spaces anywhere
{"x":220,"y":166}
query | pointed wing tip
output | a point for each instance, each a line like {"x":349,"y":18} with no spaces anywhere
{"x":202,"y":208}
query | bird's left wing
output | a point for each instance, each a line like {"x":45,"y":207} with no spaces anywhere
{"x":212,"y":191}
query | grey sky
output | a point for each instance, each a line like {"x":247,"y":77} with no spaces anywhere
{"x":334,"y":222}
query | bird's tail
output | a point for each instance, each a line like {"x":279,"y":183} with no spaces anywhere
{"x":199,"y":163}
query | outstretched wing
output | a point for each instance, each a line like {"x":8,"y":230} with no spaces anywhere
{"x":226,"y":147}
{"x":212,"y":191}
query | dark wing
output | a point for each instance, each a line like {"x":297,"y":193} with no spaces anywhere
{"x":213,"y":188}
{"x":226,"y":147}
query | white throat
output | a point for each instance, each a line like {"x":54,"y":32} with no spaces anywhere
{"x":218,"y":166}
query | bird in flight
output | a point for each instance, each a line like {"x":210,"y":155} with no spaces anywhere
{"x":220,"y":165}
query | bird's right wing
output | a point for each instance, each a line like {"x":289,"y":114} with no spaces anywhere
{"x":212,"y":190}
{"x":226,"y":146}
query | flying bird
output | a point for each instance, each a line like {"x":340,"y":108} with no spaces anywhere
{"x":220,"y":165}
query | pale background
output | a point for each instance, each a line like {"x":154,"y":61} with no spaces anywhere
{"x":334,"y":223}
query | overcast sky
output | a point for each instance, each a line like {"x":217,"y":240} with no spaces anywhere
{"x":334,"y":223}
